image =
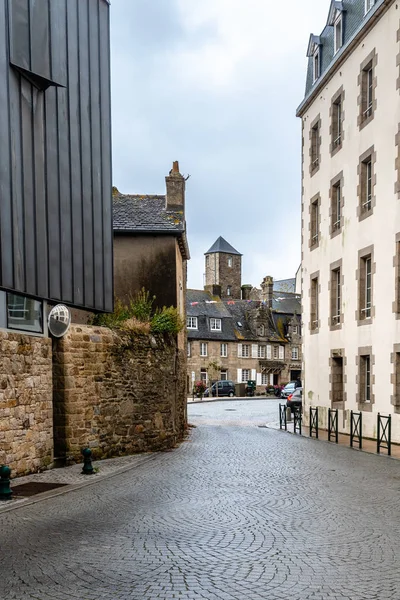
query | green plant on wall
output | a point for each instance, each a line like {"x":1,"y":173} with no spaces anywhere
{"x":139,"y":316}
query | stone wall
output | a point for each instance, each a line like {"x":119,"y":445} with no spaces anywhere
{"x":117,"y":393}
{"x":26,"y":415}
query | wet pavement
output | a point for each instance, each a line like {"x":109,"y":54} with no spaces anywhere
{"x":238,"y":512}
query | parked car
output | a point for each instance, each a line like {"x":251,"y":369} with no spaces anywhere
{"x":225,"y":388}
{"x":288,"y":389}
{"x":295,"y":399}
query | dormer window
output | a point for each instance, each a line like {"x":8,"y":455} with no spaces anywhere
{"x":368,"y":5}
{"x":338,"y":26}
{"x":316,"y":64}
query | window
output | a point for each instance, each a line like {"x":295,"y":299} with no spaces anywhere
{"x":367,"y":83}
{"x":224,"y":350}
{"x":336,"y":206}
{"x":203,"y":348}
{"x":229,"y":261}
{"x":281,"y":352}
{"x":203,"y":375}
{"x":295,"y":329}
{"x":314,"y":312}
{"x":189,"y":350}
{"x":245,"y":350}
{"x":336,"y":296}
{"x":215,"y":324}
{"x":337,"y":123}
{"x":365,"y":287}
{"x":191,"y":323}
{"x":315,"y":147}
{"x":314,"y":224}
{"x":229,"y":291}
{"x":207,"y":260}
{"x":368,"y":5}
{"x":261,"y":330}
{"x":24,"y":314}
{"x":295,"y":353}
{"x":316,"y":65}
{"x":337,"y":379}
{"x":269,"y":352}
{"x":264,"y":379}
{"x":224,"y":375}
{"x":365,"y":378}
{"x":261,"y":351}
{"x":245,"y":375}
{"x":338,"y":26}
{"x":276,"y":352}
{"x":366,"y":185}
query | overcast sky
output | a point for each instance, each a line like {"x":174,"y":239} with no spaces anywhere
{"x":215,"y":84}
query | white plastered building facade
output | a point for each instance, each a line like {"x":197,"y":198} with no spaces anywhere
{"x":351,"y":218}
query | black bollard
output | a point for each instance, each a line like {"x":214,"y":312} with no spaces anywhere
{"x":87,"y":462}
{"x":5,"y":490}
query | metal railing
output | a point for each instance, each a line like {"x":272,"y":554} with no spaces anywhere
{"x":384,"y":435}
{"x":297,"y":417}
{"x":314,"y":422}
{"x":333,"y":429}
{"x":282,"y":417}
{"x":356,"y":429}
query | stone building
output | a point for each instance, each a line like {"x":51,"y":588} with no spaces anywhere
{"x":350,"y":214}
{"x":150,"y":245}
{"x":254,"y":334}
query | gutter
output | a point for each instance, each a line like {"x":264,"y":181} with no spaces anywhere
{"x":365,"y":27}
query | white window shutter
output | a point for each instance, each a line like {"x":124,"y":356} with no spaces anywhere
{"x":240,"y":350}
{"x":254,"y":351}
{"x":253,"y":374}
{"x":281,"y":352}
{"x":271,"y":379}
{"x":269,"y":352}
{"x":239,"y":375}
{"x":258,"y":379}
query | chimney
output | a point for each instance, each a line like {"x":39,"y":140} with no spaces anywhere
{"x":246,"y":291}
{"x":267,"y":288}
{"x":175,"y":183}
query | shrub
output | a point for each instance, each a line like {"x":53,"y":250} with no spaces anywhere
{"x":167,"y":321}
{"x":141,"y":306}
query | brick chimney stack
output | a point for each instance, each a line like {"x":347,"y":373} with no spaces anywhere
{"x":267,"y":288}
{"x":175,"y":183}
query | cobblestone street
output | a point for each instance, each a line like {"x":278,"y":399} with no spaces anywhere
{"x":238,"y":512}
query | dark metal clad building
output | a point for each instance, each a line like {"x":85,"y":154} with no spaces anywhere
{"x":55,"y":159}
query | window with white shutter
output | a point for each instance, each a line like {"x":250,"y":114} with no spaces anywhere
{"x":254,"y":351}
{"x":240,"y":351}
{"x":281,"y":352}
{"x":269,"y":352}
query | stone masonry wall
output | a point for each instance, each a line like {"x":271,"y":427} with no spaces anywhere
{"x":26,"y":415}
{"x":116,"y":393}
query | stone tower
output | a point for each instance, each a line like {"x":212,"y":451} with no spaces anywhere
{"x":223,"y":270}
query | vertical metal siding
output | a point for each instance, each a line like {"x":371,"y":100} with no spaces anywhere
{"x":55,"y":178}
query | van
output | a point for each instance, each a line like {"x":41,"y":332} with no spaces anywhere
{"x":225,"y":388}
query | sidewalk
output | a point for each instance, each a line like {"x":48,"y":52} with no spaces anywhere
{"x":343,"y":439}
{"x":190,"y":399}
{"x":70,"y":478}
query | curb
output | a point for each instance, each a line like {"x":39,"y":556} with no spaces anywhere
{"x":72,"y":487}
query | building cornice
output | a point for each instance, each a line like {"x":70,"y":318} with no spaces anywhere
{"x":375,"y":14}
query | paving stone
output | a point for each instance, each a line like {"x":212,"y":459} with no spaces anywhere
{"x":237,"y":512}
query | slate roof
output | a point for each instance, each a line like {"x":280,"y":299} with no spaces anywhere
{"x":236,"y":317}
{"x":202,"y":305}
{"x":354,"y":19}
{"x":286,"y":303}
{"x":133,"y":213}
{"x":285,"y":285}
{"x":222,"y":246}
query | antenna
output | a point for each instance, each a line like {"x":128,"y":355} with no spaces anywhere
{"x":59,"y":320}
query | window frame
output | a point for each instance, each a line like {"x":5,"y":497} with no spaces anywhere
{"x":316,"y":58}
{"x":245,"y":380}
{"x":314,"y":303}
{"x":336,"y":291}
{"x":338,"y":22}
{"x":230,"y":262}
{"x":262,"y":351}
{"x":224,"y":346}
{"x":203,"y":346}
{"x":20,"y":328}
{"x":365,"y":278}
{"x":195,"y":319}
{"x":295,"y":353}
{"x":214,"y":324}
{"x":247,"y":353}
